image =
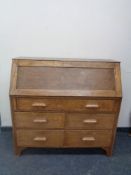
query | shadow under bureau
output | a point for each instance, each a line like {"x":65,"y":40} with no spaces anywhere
{"x":65,"y":103}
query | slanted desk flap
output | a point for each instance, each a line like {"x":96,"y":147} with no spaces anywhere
{"x":65,"y":78}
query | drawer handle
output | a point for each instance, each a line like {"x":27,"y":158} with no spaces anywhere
{"x":39,"y":139}
{"x":39,"y":105}
{"x":92,"y":106}
{"x":88,"y":139}
{"x":90,"y":121}
{"x":40,"y":120}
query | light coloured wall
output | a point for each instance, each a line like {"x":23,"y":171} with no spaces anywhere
{"x":65,"y":28}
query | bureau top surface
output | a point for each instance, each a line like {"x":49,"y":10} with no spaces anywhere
{"x":65,"y":77}
{"x":65,"y":59}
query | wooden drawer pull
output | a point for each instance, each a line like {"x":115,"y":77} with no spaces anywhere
{"x":90,"y":121}
{"x":92,"y":106}
{"x":88,"y":139}
{"x":39,"y":105}
{"x":39,"y":139}
{"x":40,"y":120}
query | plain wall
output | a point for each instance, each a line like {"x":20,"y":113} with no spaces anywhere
{"x":65,"y":28}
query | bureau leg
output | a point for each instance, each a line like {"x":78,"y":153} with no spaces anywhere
{"x":18,"y":151}
{"x":108,"y":151}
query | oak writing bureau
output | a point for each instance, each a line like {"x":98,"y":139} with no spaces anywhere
{"x":65,"y":103}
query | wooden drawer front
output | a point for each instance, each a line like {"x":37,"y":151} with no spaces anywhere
{"x":38,"y":120}
{"x":34,"y":104}
{"x":31,"y":138}
{"x":88,"y":138}
{"x":90,"y":121}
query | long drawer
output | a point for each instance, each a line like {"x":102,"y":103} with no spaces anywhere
{"x":89,"y":121}
{"x":88,"y":138}
{"x":39,"y":120}
{"x":39,"y":138}
{"x":58,"y":104}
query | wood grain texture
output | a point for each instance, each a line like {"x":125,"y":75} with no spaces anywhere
{"x":89,"y":121}
{"x":52,"y":104}
{"x":88,"y":138}
{"x":77,"y":78}
{"x":39,"y":138}
{"x":38,"y":120}
{"x":65,"y":103}
{"x":68,"y":75}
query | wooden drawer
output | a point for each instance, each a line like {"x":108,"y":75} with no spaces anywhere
{"x":89,"y":121}
{"x":39,"y":138}
{"x":60,"y":104}
{"x":88,"y":138}
{"x":38,"y":120}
